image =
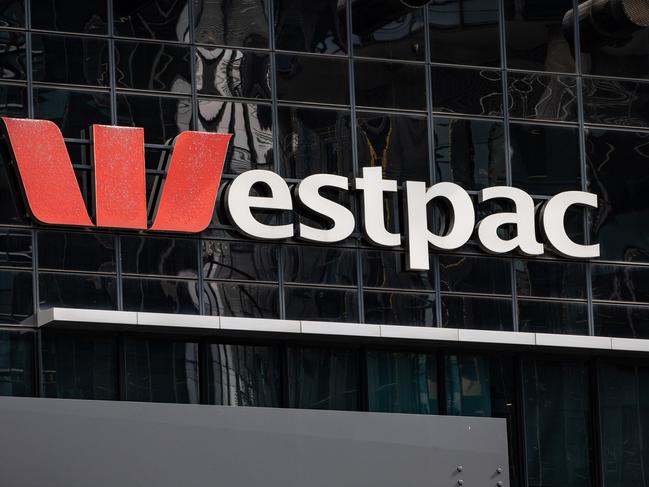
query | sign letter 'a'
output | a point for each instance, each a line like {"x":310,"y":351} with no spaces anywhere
{"x":53,"y":195}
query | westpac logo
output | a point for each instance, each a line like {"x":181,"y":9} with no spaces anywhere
{"x":53,"y":195}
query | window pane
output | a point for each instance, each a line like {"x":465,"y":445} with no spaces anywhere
{"x":76,"y":251}
{"x":542,"y":96}
{"x":88,"y":17}
{"x":475,"y":274}
{"x":402,"y":382}
{"x":244,"y":375}
{"x":243,"y":300}
{"x":312,"y":79}
{"x":480,"y":313}
{"x":320,"y":304}
{"x":319,"y":265}
{"x":15,"y":248}
{"x":156,"y":19}
{"x":616,"y":102}
{"x":13,"y":101}
{"x":621,"y":321}
{"x":161,"y":256}
{"x":16,"y":297}
{"x":323,"y":379}
{"x":467,"y":91}
{"x":161,"y":371}
{"x":239,"y":260}
{"x":12,"y":13}
{"x":621,"y":283}
{"x":79,"y":366}
{"x":242,"y":24}
{"x":16,"y":364}
{"x":232,"y":73}
{"x":468,"y":386}
{"x":557,"y":422}
{"x":553,"y":317}
{"x":387,"y":269}
{"x":161,"y":118}
{"x":550,"y":279}
{"x":77,"y":291}
{"x":390,"y":85}
{"x":400,"y":308}
{"x":12,"y":55}
{"x":161,"y":296}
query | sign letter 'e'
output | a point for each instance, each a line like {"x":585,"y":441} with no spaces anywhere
{"x":373,"y":186}
{"x":553,"y":215}
{"x":462,"y":220}
{"x":523,"y":218}
{"x":239,"y":203}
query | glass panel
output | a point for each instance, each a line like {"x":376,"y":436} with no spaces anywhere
{"x":468,"y":386}
{"x":15,"y":248}
{"x":161,"y":118}
{"x":323,"y":379}
{"x":79,"y":366}
{"x":156,"y":19}
{"x":467,"y":91}
{"x":251,"y":124}
{"x":161,"y":296}
{"x":161,"y":371}
{"x":392,"y":30}
{"x":620,"y":283}
{"x":244,"y":375}
{"x":76,"y":251}
{"x":232,"y":73}
{"x":12,"y":206}
{"x":160,"y":256}
{"x":13,"y":101}
{"x":615,"y":102}
{"x":397,"y":143}
{"x":16,"y":297}
{"x":243,"y":300}
{"x":312,"y":79}
{"x":153,"y":66}
{"x":386,"y":269}
{"x":621,"y":321}
{"x":12,"y":13}
{"x":553,"y":317}
{"x":390,"y":85}
{"x":321,"y":27}
{"x":467,"y":274}
{"x":402,"y":382}
{"x":88,"y":16}
{"x":241,"y":23}
{"x":550,"y":279}
{"x":470,"y":153}
{"x":319,"y":265}
{"x":77,"y":291}
{"x":16,"y":364}
{"x":400,"y":308}
{"x":557,"y":422}
{"x":464,"y":32}
{"x":12,"y":55}
{"x":320,"y":304}
{"x":239,"y":260}
{"x":479,"y":313}
{"x":539,"y":36}
{"x":314,"y":141}
{"x":542,"y":96}
{"x":545,"y":159}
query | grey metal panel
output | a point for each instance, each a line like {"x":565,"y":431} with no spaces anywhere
{"x":69,"y":443}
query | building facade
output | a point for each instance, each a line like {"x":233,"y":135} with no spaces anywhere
{"x":543,"y":95}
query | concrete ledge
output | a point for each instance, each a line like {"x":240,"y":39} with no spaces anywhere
{"x":495,"y":336}
{"x":573,"y":341}
{"x":335,"y":328}
{"x":630,"y":344}
{"x":419,"y":333}
{"x":259,"y":324}
{"x":75,"y":315}
{"x":173,"y":320}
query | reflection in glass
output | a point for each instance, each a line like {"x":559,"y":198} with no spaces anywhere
{"x":12,"y":55}
{"x":467,"y":91}
{"x":155,"y":19}
{"x":557,"y":422}
{"x":243,"y":23}
{"x":397,"y":143}
{"x":468,"y":386}
{"x":319,"y":265}
{"x":16,"y":248}
{"x":76,"y":251}
{"x":542,"y":96}
{"x":470,"y":153}
{"x":387,"y":269}
{"x":312,"y":79}
{"x":161,"y":296}
{"x":477,"y":313}
{"x":161,"y":371}
{"x":321,"y":378}
{"x":464,"y":32}
{"x":159,"y":256}
{"x":403,"y":382}
{"x":79,"y":366}
{"x":239,"y":260}
{"x":621,"y":321}
{"x":415,"y":309}
{"x":242,"y":300}
{"x":76,"y":291}
{"x":88,"y":17}
{"x":12,"y":13}
{"x":620,"y":283}
{"x":475,"y":274}
{"x":314,"y":141}
{"x":13,"y":101}
{"x":161,"y":117}
{"x":321,"y":304}
{"x":552,"y":279}
{"x":614,"y":102}
{"x":243,"y":375}
{"x":553,"y":317}
{"x":390,"y":85}
{"x":232,"y":73}
{"x":16,"y":364}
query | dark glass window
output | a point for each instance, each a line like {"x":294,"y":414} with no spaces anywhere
{"x":557,"y":421}
{"x":12,"y":13}
{"x":550,"y":279}
{"x":320,"y":27}
{"x":239,"y":260}
{"x":314,"y":141}
{"x":251,"y":124}
{"x":155,"y":19}
{"x":76,"y":251}
{"x":161,"y":296}
{"x":161,"y":371}
{"x":390,"y":85}
{"x":89,"y":16}
{"x":391,"y":30}
{"x":77,"y":291}
{"x":621,"y":321}
{"x":13,"y":101}
{"x":12,"y":206}
{"x":319,"y":265}
{"x":243,"y":300}
{"x":470,"y":153}
{"x":244,"y":375}
{"x":232,"y":73}
{"x":397,"y":143}
{"x":323,"y":379}
{"x":79,"y":366}
{"x":468,"y":385}
{"x":620,"y":283}
{"x":478,"y":313}
{"x":545,"y":159}
{"x":402,"y":382}
{"x":467,"y":91}
{"x":553,"y":317}
{"x":615,"y":102}
{"x":468,"y":274}
{"x":542,"y":96}
{"x":414,"y":309}
{"x":387,"y":269}
{"x":241,"y":24}
{"x":16,"y":364}
{"x":312,"y":79}
{"x":538,"y":37}
{"x":161,"y":117}
{"x":15,"y":248}
{"x":153,"y":66}
{"x":321,"y":304}
{"x":160,"y":256}
{"x":464,"y":32}
{"x":16,"y":297}
{"x":12,"y":55}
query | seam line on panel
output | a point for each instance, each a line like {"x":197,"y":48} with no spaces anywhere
{"x":28,"y":59}
{"x":112,"y":78}
{"x":193,"y":52}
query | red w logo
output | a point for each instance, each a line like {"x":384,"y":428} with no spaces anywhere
{"x":53,"y":195}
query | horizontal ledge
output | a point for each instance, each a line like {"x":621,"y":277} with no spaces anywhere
{"x":83,"y":318}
